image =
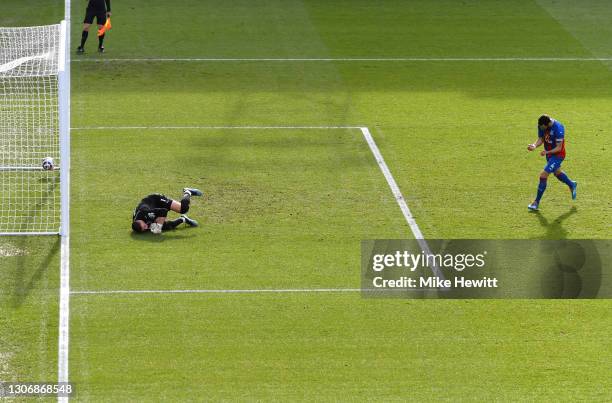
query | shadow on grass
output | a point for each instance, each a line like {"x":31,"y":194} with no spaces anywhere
{"x":166,"y":236}
{"x":27,"y":273}
{"x":554,"y":229}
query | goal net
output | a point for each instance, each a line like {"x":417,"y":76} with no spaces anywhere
{"x":32,"y":71}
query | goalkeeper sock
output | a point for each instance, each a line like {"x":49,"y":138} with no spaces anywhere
{"x":84,"y":36}
{"x":185,"y":202}
{"x":173,"y":224}
{"x":101,"y":40}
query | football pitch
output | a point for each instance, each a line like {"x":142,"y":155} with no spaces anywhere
{"x":268,"y":107}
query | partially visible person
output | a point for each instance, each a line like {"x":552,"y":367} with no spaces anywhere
{"x":100,"y":10}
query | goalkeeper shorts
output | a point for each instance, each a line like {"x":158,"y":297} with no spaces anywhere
{"x":157,"y":200}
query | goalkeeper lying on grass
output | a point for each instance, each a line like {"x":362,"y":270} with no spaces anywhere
{"x":151,"y":212}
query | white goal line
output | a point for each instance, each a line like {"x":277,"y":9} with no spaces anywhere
{"x":347,"y":59}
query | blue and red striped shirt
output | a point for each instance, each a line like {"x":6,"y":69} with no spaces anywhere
{"x":552,"y":137}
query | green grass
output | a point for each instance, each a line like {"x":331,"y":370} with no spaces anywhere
{"x":337,"y":347}
{"x":434,"y":122}
{"x":288,"y":208}
{"x":275,"y":213}
{"x":28,"y":308}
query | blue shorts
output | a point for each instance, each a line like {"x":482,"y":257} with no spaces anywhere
{"x":553,"y":163}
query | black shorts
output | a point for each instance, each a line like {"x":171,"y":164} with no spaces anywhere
{"x":100,"y":16}
{"x":157,"y":200}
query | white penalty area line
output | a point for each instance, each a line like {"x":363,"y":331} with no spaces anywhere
{"x":196,"y":127}
{"x":237,"y":291}
{"x":248,"y":291}
{"x":399,"y":197}
{"x":397,"y":194}
{"x":401,"y":201}
{"x":346,"y":59}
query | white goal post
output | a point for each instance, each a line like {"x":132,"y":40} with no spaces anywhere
{"x":34,"y":125}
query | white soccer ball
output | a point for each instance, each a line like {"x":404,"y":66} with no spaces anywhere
{"x":48,"y":164}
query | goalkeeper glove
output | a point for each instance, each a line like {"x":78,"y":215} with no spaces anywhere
{"x":156,"y":228}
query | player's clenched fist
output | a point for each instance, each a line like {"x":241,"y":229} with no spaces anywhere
{"x":531,"y":147}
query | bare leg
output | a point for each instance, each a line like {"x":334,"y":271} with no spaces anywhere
{"x":181,"y":207}
{"x":176,"y":206}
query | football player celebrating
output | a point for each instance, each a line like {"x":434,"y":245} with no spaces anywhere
{"x":151,"y":212}
{"x":101,"y":10}
{"x":551,"y":133}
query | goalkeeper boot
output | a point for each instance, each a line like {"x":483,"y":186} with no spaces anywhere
{"x":101,"y":49}
{"x":80,"y":50}
{"x":189,"y":221}
{"x":193,"y":191}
